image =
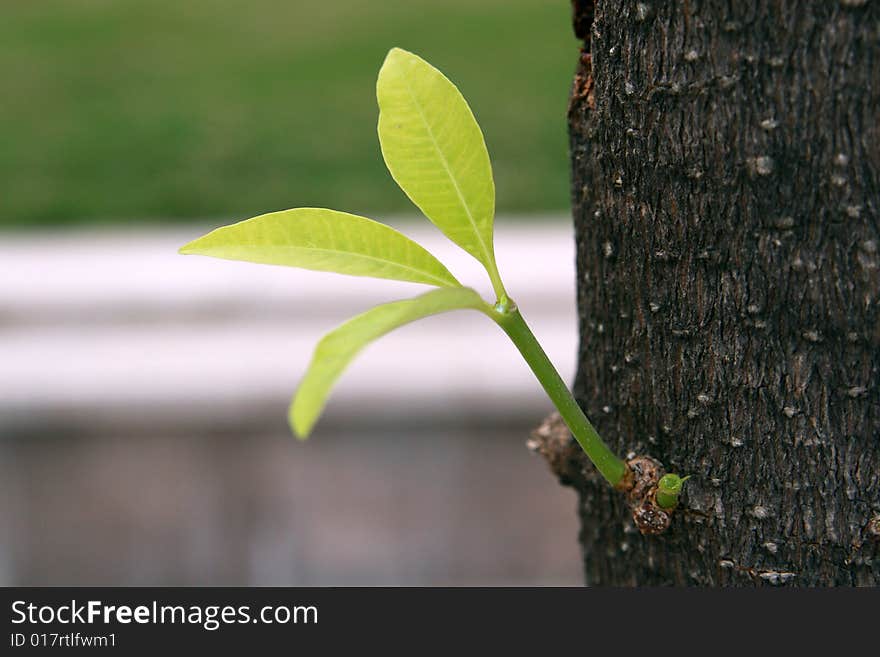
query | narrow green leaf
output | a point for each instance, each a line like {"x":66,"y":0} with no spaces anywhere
{"x":325,"y":240}
{"x":336,"y":350}
{"x":435,"y":151}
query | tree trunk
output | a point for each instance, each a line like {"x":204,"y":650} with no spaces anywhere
{"x":725,"y":161}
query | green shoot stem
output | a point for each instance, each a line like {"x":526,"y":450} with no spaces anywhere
{"x":508,"y":317}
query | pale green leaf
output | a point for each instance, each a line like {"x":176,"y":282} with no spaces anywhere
{"x":336,"y":350}
{"x":325,"y":240}
{"x":435,"y":151}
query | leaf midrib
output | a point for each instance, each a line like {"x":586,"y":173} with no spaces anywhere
{"x":455,"y":185}
{"x":355,"y":254}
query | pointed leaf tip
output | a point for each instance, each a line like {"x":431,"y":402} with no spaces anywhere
{"x":300,"y":431}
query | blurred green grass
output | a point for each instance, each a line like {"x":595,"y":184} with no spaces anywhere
{"x":118,"y":110}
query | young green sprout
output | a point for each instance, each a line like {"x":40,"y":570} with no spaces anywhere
{"x":435,"y":152}
{"x":668,"y":491}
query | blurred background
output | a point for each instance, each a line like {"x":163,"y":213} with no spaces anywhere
{"x":143,"y":394}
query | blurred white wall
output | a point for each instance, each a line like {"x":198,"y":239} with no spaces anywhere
{"x":98,"y":324}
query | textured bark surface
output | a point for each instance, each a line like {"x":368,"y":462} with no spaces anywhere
{"x":726,"y":190}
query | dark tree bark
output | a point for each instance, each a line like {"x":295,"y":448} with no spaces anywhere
{"x":726,"y":190}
